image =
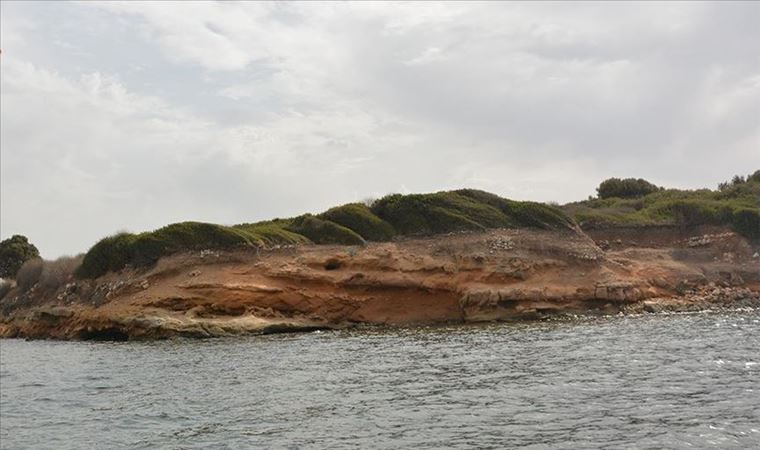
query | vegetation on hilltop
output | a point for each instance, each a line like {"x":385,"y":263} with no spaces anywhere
{"x":621,"y":202}
{"x":359,"y":218}
{"x":523,"y":214}
{"x":351,"y":224}
{"x":735,"y":203}
{"x":321,"y":231}
{"x":625,"y":188}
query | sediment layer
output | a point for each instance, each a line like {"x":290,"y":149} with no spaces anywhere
{"x":499,"y":275}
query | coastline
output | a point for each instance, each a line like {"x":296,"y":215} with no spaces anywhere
{"x":64,"y":324}
{"x":498,"y":275}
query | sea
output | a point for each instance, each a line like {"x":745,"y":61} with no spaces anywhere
{"x":638,"y":382}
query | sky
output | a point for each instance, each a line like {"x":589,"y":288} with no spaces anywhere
{"x":129,"y":116}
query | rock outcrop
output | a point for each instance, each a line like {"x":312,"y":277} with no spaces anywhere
{"x":470,"y":277}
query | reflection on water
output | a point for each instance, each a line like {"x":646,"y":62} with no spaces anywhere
{"x":634,"y":382}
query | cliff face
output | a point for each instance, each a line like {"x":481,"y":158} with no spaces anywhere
{"x":495,"y":275}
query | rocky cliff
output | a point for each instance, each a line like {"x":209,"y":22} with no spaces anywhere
{"x":455,"y":278}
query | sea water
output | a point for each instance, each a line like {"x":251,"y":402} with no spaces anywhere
{"x":652,"y":381}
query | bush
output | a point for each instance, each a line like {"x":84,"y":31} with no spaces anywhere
{"x":746,"y":193}
{"x":14,"y":252}
{"x":441,"y":212}
{"x":116,"y":252}
{"x":349,"y":224}
{"x":188,"y":235}
{"x":625,"y":188}
{"x":358,"y":218}
{"x":109,"y":254}
{"x":322,"y":231}
{"x":538,"y":215}
{"x":523,"y":214}
{"x":29,"y":274}
{"x":465,"y":209}
{"x":735,"y":203}
{"x":271,"y":233}
{"x":693,"y":212}
{"x":47,"y":276}
{"x":58,"y":272}
{"x":746,"y":222}
{"x":738,"y":180}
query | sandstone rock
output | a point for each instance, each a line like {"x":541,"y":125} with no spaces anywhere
{"x":495,"y":275}
{"x":53,"y":314}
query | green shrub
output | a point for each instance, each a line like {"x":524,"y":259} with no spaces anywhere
{"x":147,"y":248}
{"x":625,"y":188}
{"x":690,"y":212}
{"x":747,"y":194}
{"x":735,"y":203}
{"x":14,"y":252}
{"x":322,"y":231}
{"x":522,"y":214}
{"x":350,"y":224}
{"x":746,"y":222}
{"x":358,"y":218}
{"x":539,"y":215}
{"x":271,"y":233}
{"x":440,"y":212}
{"x":189,"y":235}
{"x":589,"y":218}
{"x":111,"y":253}
{"x":116,"y":252}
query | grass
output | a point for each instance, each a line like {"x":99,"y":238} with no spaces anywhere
{"x":350,"y":224}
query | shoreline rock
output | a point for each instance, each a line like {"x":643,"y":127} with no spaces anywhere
{"x":498,"y":275}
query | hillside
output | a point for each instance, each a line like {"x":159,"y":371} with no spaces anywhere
{"x":621,"y":203}
{"x":446,"y":257}
{"x":503,"y":275}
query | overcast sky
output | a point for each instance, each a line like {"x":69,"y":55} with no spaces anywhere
{"x":131,"y":116}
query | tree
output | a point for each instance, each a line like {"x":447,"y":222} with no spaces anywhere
{"x":625,"y":188}
{"x":738,"y":179}
{"x":14,"y":252}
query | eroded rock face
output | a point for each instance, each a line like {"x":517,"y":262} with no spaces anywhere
{"x":496,"y":275}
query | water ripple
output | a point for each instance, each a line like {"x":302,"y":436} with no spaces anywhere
{"x":682,"y":381}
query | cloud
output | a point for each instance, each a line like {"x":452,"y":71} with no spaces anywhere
{"x":135,"y":114}
{"x":599,"y":78}
{"x":87,"y":157}
{"x":430,"y":55}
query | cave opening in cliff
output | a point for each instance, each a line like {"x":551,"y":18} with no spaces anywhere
{"x":332,"y":264}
